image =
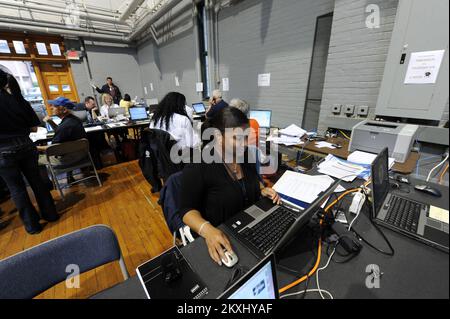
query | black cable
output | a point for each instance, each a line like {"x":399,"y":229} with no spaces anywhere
{"x":306,"y":287}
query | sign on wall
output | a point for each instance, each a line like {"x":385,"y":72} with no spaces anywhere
{"x":424,"y":67}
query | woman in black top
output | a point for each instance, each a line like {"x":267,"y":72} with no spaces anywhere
{"x":18,"y":155}
{"x":212,"y":193}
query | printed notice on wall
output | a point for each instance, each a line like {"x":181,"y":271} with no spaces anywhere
{"x":199,"y":87}
{"x":264,"y":80}
{"x":177,"y":81}
{"x":225,"y":84}
{"x":424,"y":67}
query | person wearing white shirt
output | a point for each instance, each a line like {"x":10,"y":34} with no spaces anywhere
{"x":107,"y":103}
{"x":171,"y":117}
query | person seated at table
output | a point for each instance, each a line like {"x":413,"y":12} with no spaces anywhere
{"x":70,"y":129}
{"x":107,"y":103}
{"x":171,"y":116}
{"x":126,"y":102}
{"x":213,"y":193}
{"x":90,"y":106}
{"x":216,"y":103}
{"x":244,"y":107}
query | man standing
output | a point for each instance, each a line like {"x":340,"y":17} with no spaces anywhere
{"x":111,"y":89}
{"x":216,"y":104}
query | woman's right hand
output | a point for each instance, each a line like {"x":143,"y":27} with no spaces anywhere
{"x":216,"y":241}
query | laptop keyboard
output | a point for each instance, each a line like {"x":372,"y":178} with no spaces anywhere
{"x":404,"y":214}
{"x":266,"y":234}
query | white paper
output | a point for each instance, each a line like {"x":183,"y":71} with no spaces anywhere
{"x":439,"y":214}
{"x":145,"y":90}
{"x":225,"y":84}
{"x":305,"y":188}
{"x":365,"y":158}
{"x":4,"y":47}
{"x":113,"y":125}
{"x":424,"y":67}
{"x":293,"y":130}
{"x":264,"y":80}
{"x":41,"y":48}
{"x":41,"y":134}
{"x":56,"y":51}
{"x":151,"y":87}
{"x":19,"y":47}
{"x":199,"y":87}
{"x":93,"y":128}
{"x":285,"y":140}
{"x":325,"y":145}
{"x":177,"y":81}
{"x":339,"y":169}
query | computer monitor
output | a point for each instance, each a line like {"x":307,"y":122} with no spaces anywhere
{"x":57,"y":120}
{"x":199,"y":108}
{"x":138,"y":113}
{"x":263,"y":117}
{"x":258,"y":283}
{"x":380,"y":180}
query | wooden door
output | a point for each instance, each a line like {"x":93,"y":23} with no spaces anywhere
{"x":57,"y":80}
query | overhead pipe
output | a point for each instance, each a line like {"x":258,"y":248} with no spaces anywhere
{"x":153,"y":18}
{"x":174,"y":16}
{"x":94,"y":9}
{"x":85,"y":34}
{"x":132,"y":7}
{"x":46,"y":9}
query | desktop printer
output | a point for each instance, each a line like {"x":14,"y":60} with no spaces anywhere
{"x":374,"y":136}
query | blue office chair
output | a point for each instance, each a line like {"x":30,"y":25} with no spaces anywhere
{"x":33,"y":271}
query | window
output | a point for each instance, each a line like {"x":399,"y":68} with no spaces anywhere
{"x":19,"y":47}
{"x":55,"y":49}
{"x":4,"y":46}
{"x":203,"y":46}
{"x":41,"y":48}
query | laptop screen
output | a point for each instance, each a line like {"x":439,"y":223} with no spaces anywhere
{"x":380,"y":180}
{"x":262,"y":117}
{"x":199,"y":108}
{"x":57,"y":120}
{"x":259,"y":283}
{"x":138,"y":113}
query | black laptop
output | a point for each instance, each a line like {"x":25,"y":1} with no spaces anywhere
{"x":402,"y":214}
{"x":265,"y":228}
{"x":199,"y":108}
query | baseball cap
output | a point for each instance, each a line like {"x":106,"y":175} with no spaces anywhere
{"x":62,"y":101}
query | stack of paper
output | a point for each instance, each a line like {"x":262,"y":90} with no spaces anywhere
{"x":365,"y":158}
{"x":286,"y":140}
{"x":341,"y":169}
{"x":41,"y":134}
{"x":293,"y":130}
{"x":93,"y":128}
{"x":300,"y":190}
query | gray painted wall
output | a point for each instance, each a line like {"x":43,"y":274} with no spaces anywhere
{"x":270,"y":36}
{"x":160,"y":65}
{"x":357,"y":56}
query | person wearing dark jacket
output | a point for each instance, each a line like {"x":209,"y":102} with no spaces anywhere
{"x":19,"y":156}
{"x":111,"y":89}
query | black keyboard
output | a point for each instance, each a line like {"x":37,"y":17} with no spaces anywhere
{"x":404,"y":213}
{"x":266,"y":234}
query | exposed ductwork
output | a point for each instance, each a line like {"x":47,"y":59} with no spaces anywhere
{"x":131,"y":8}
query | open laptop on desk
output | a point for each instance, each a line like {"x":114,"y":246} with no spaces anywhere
{"x":265,"y":228}
{"x":401,"y":214}
{"x":199,"y":109}
{"x":138,"y":115}
{"x":258,"y":283}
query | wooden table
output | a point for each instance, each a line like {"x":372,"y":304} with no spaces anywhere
{"x":311,"y":148}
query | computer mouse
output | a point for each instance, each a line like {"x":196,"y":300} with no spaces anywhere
{"x":232,"y":259}
{"x":429,"y":190}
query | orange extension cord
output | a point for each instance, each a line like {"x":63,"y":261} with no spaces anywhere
{"x":319,"y":249}
{"x":441,"y":178}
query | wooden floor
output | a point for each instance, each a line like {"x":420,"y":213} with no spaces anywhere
{"x":125,"y":203}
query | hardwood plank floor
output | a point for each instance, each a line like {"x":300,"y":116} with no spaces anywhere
{"x":125,"y":203}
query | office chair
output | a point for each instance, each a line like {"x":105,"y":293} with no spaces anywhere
{"x":79,"y":147}
{"x":35,"y":270}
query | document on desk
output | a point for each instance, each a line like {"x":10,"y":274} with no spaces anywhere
{"x":301,"y":187}
{"x":113,"y":125}
{"x":341,"y":169}
{"x":325,"y":145}
{"x":93,"y":128}
{"x":293,"y":130}
{"x":365,"y":158}
{"x":41,"y":134}
{"x":285,"y":140}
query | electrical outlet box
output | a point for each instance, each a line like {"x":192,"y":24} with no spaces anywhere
{"x":349,"y":110}
{"x":363,"y":110}
{"x":336,"y":109}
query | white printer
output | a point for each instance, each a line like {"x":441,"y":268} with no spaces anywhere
{"x":374,"y":136}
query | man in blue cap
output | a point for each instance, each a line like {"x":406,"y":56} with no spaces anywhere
{"x":70,"y":129}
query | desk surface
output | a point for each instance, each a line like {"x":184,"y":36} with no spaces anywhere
{"x":415,"y":271}
{"x":403,"y":168}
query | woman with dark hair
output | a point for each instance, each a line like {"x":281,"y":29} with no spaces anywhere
{"x":126,"y":102}
{"x":171,"y":116}
{"x":18,"y":155}
{"x":215,"y":190}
